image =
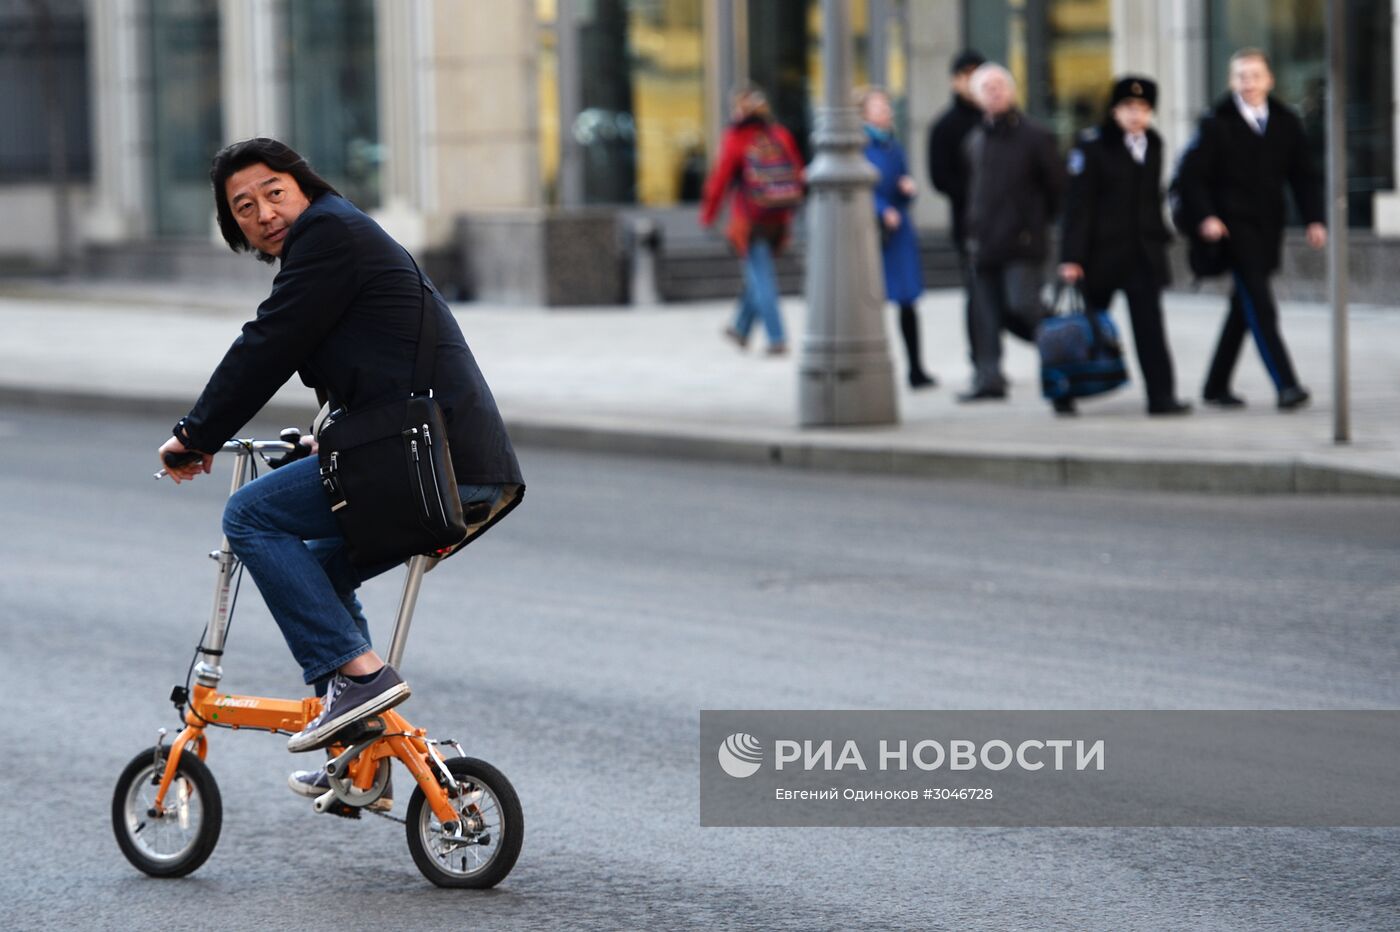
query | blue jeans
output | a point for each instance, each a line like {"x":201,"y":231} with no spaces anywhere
{"x":281,"y":527}
{"x":760,"y":296}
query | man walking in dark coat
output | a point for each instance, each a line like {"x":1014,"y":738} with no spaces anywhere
{"x":1014,"y":184}
{"x":1231,"y":181}
{"x":947,"y":168}
{"x":1114,"y":237}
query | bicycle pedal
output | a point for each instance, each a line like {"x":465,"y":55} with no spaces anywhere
{"x":342,"y":810}
{"x":363,"y":730}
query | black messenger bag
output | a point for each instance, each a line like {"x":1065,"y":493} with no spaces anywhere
{"x":388,"y":471}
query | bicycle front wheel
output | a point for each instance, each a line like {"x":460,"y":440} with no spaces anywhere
{"x":178,"y":841}
{"x":484,"y":850}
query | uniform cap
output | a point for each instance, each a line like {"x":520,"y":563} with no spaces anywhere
{"x":1134,"y":87}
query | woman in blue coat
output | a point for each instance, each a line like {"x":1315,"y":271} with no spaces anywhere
{"x":899,"y":245}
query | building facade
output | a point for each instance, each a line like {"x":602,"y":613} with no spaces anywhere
{"x":511,"y":113}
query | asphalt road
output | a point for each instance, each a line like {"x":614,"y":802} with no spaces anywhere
{"x":574,"y":646}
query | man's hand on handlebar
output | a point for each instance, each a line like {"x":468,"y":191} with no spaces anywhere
{"x":181,"y":463}
{"x":305,"y":446}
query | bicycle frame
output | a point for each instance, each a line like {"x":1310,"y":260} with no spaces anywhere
{"x":208,"y":706}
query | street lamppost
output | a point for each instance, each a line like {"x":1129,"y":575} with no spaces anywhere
{"x":1337,"y":220}
{"x":845,"y":376}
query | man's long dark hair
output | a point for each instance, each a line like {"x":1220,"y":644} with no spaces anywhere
{"x":277,"y":156}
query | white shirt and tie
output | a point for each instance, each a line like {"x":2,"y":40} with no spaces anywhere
{"x":1256,"y":117}
{"x":1137,"y":146}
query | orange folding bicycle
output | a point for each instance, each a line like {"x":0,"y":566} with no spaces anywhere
{"x":464,"y":820}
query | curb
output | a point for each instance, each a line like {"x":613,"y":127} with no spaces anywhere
{"x":1030,"y":470}
{"x":1228,"y":477}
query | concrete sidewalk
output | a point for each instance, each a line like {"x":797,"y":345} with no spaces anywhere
{"x":662,"y":381}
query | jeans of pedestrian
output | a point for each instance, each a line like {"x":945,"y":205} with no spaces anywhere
{"x":759,"y":299}
{"x":281,"y":528}
{"x":1004,"y":297}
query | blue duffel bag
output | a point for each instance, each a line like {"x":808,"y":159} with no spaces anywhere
{"x":1080,"y":353}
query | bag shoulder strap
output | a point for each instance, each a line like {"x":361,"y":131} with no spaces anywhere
{"x":1068,"y":299}
{"x":425,"y":359}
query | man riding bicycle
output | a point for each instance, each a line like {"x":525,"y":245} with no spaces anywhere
{"x":344,"y":314}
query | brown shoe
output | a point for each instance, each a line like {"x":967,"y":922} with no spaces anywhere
{"x":777,"y":349}
{"x":735,"y":337}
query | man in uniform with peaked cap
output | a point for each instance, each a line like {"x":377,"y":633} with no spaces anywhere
{"x":1113,"y":236}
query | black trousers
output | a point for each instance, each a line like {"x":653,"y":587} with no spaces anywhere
{"x":1252,"y":308}
{"x":1144,"y":294}
{"x":969,"y":322}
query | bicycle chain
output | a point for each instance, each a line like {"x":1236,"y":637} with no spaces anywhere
{"x":391,"y":818}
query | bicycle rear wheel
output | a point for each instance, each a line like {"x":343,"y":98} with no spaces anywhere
{"x":180,"y":840}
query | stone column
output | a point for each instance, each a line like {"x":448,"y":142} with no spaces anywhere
{"x":721,"y":69}
{"x":935,"y":36}
{"x":484,"y":137}
{"x":121,"y":139}
{"x":403,"y":32}
{"x":570,"y":97}
{"x":252,"y":39}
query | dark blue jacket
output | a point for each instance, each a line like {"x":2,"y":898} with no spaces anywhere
{"x":899,"y":248}
{"x":344,"y":313}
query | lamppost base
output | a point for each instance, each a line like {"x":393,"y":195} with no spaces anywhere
{"x":850,"y":387}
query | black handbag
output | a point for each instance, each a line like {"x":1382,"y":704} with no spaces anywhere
{"x":387,"y":470}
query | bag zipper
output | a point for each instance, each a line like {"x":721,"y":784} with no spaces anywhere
{"x":432,"y":467}
{"x":330,"y":479}
{"x":418,"y":474}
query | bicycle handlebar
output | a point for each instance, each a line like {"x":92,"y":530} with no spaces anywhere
{"x":242,"y":447}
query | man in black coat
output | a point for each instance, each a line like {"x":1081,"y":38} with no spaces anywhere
{"x":1114,"y":237}
{"x":345,"y":313}
{"x":1231,"y":181}
{"x":946,"y":167}
{"x":1015,"y":179}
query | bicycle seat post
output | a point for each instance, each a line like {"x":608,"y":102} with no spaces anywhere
{"x":412,"y":583}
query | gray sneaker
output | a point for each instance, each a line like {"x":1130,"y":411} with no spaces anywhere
{"x":313,"y":783}
{"x":346,"y":703}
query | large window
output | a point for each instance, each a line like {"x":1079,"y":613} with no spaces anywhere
{"x":605,"y":127}
{"x":334,"y":110}
{"x":1060,"y":52}
{"x":630,"y":73}
{"x":668,"y":64}
{"x":33,"y":52}
{"x":625,"y":80}
{"x":1294,"y":34}
{"x":785,"y":59}
{"x":186,"y":112}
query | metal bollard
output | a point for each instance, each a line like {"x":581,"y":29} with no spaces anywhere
{"x":645,"y":245}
